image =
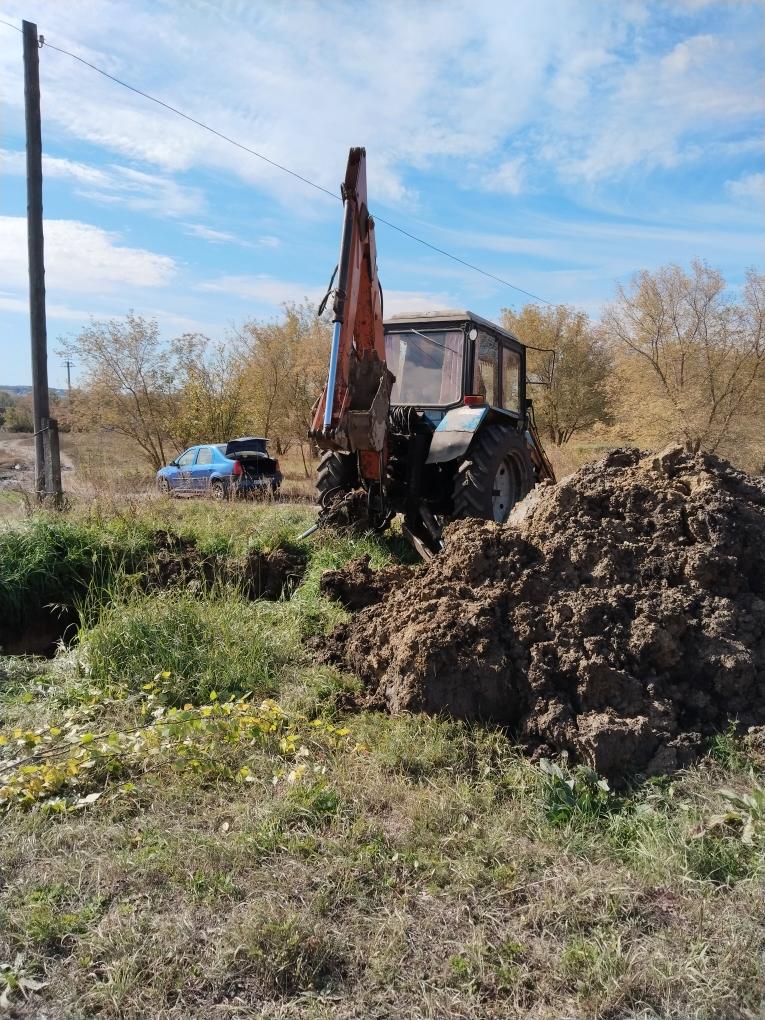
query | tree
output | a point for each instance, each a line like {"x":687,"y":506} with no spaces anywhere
{"x":694,"y":356}
{"x":128,"y":382}
{"x":18,"y":415}
{"x":576,"y":394}
{"x":6,"y":403}
{"x":210,"y":404}
{"x":285,"y":365}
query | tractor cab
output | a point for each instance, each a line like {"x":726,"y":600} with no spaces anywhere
{"x":446,"y":360}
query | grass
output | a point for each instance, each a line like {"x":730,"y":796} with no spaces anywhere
{"x":419,"y":867}
{"x":226,"y":644}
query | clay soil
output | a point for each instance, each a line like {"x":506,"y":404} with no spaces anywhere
{"x":618,"y":617}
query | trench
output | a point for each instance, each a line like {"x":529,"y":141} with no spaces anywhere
{"x":40,"y":626}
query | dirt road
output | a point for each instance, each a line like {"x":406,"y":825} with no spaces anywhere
{"x":17,"y":460}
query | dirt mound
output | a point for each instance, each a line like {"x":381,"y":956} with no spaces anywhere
{"x":620,"y":616}
{"x":357,"y":586}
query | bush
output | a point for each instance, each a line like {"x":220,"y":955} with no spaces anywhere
{"x":18,"y":418}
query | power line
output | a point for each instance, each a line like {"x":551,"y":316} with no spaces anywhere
{"x":287,"y":170}
{"x":193,"y":120}
{"x":456,"y":258}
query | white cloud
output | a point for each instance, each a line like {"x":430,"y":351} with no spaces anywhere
{"x":597,"y":89}
{"x":21,"y":306}
{"x":226,"y":237}
{"x":750,"y":187}
{"x":80,"y":258}
{"x":264,"y":289}
{"x":271,"y":292}
{"x":399,"y":301}
{"x":509,"y":177}
{"x":147,"y":192}
{"x":215,"y":236}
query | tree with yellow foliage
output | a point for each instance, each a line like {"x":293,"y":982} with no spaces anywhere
{"x":692,"y":356}
{"x":573,"y":394}
{"x":284,"y":365}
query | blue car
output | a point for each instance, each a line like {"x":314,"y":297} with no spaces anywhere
{"x":239,"y":467}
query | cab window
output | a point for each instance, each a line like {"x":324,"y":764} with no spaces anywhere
{"x":187,"y":459}
{"x":511,"y":380}
{"x":485,"y":376}
{"x":205,"y":456}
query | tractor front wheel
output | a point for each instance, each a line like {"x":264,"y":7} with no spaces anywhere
{"x":496,"y":473}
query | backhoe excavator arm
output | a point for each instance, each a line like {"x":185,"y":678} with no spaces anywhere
{"x":352,"y":413}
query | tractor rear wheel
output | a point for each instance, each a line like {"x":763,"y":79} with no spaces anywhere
{"x":337,"y":472}
{"x":337,"y":475}
{"x":496,"y":473}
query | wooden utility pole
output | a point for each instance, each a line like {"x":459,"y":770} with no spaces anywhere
{"x":38,"y":328}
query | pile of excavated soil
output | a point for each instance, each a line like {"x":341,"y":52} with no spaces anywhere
{"x":619,"y":616}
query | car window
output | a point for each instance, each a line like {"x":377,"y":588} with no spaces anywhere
{"x":205,"y":456}
{"x":485,"y":376}
{"x":187,"y":459}
{"x":221,"y":448}
{"x":511,"y":376}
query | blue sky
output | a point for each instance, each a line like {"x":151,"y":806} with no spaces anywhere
{"x":560,"y":144}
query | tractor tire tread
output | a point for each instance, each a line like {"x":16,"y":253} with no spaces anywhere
{"x":476,"y":471}
{"x":335,"y":471}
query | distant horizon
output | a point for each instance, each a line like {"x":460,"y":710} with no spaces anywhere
{"x":27,"y":388}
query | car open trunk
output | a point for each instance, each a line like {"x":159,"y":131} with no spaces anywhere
{"x":252,"y":454}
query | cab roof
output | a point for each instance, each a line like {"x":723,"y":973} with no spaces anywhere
{"x":449,"y":315}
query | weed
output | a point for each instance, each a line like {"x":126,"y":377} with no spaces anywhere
{"x":210,"y":887}
{"x":317,"y":804}
{"x":578,"y":797}
{"x":47,"y":917}
{"x":595,"y":963}
{"x":723,"y":859}
{"x":282,"y":955}
{"x":730,"y":751}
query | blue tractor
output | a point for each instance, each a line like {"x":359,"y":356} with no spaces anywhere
{"x":423,"y":415}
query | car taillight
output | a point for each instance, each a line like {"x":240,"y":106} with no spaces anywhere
{"x":238,"y":468}
{"x":276,"y":465}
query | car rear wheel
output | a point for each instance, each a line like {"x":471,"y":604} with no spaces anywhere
{"x":218,"y":490}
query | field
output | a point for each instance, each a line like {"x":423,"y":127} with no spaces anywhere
{"x":104,"y":465}
{"x":200,"y":826}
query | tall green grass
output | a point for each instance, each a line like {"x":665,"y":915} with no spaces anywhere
{"x":51,"y":560}
{"x":223,"y":644}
